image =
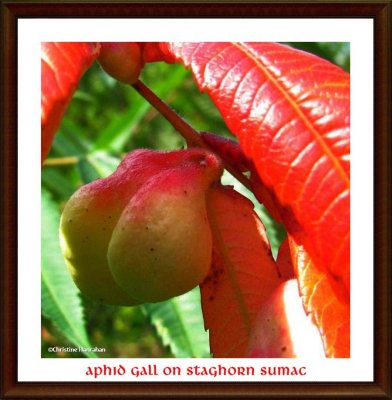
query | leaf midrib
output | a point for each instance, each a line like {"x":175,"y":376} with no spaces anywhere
{"x":316,"y":134}
{"x":63,"y":313}
{"x":230,"y":269}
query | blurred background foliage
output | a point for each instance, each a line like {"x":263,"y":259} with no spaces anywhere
{"x":104,"y":121}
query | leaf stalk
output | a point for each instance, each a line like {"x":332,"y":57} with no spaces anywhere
{"x":191,"y":135}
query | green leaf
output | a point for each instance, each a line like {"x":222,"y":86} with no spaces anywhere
{"x":57,"y":183}
{"x":179,"y":322}
{"x":118,"y":132}
{"x":60,"y":300}
{"x":63,"y":147}
{"x":97,"y":165}
{"x":87,"y":171}
{"x":122,"y":126}
{"x":103,"y":163}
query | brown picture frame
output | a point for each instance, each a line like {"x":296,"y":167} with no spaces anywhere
{"x":380,"y":12}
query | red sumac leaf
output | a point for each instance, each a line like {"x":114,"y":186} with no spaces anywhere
{"x":154,"y":51}
{"x":282,"y":328}
{"x":330,"y":315}
{"x":62,"y":66}
{"x":291,"y":113}
{"x":242,"y":276}
{"x":284,"y":262}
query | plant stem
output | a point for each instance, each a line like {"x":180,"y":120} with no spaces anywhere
{"x":59,"y":161}
{"x":190,"y":134}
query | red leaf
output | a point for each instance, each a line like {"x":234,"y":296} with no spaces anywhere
{"x":331,"y":315}
{"x":284,"y":262}
{"x":282,"y":328}
{"x":243,"y":273}
{"x":154,"y":51}
{"x":62,"y":66}
{"x":290,"y":111}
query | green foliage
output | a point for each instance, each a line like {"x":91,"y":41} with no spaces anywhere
{"x":60,"y":297}
{"x":179,"y":322}
{"x":104,"y":121}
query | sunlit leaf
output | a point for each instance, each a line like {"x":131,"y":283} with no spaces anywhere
{"x":290,"y":111}
{"x":328,"y":312}
{"x":282,"y":328}
{"x":62,"y":65}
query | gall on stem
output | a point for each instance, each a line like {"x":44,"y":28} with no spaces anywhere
{"x":191,"y":135}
